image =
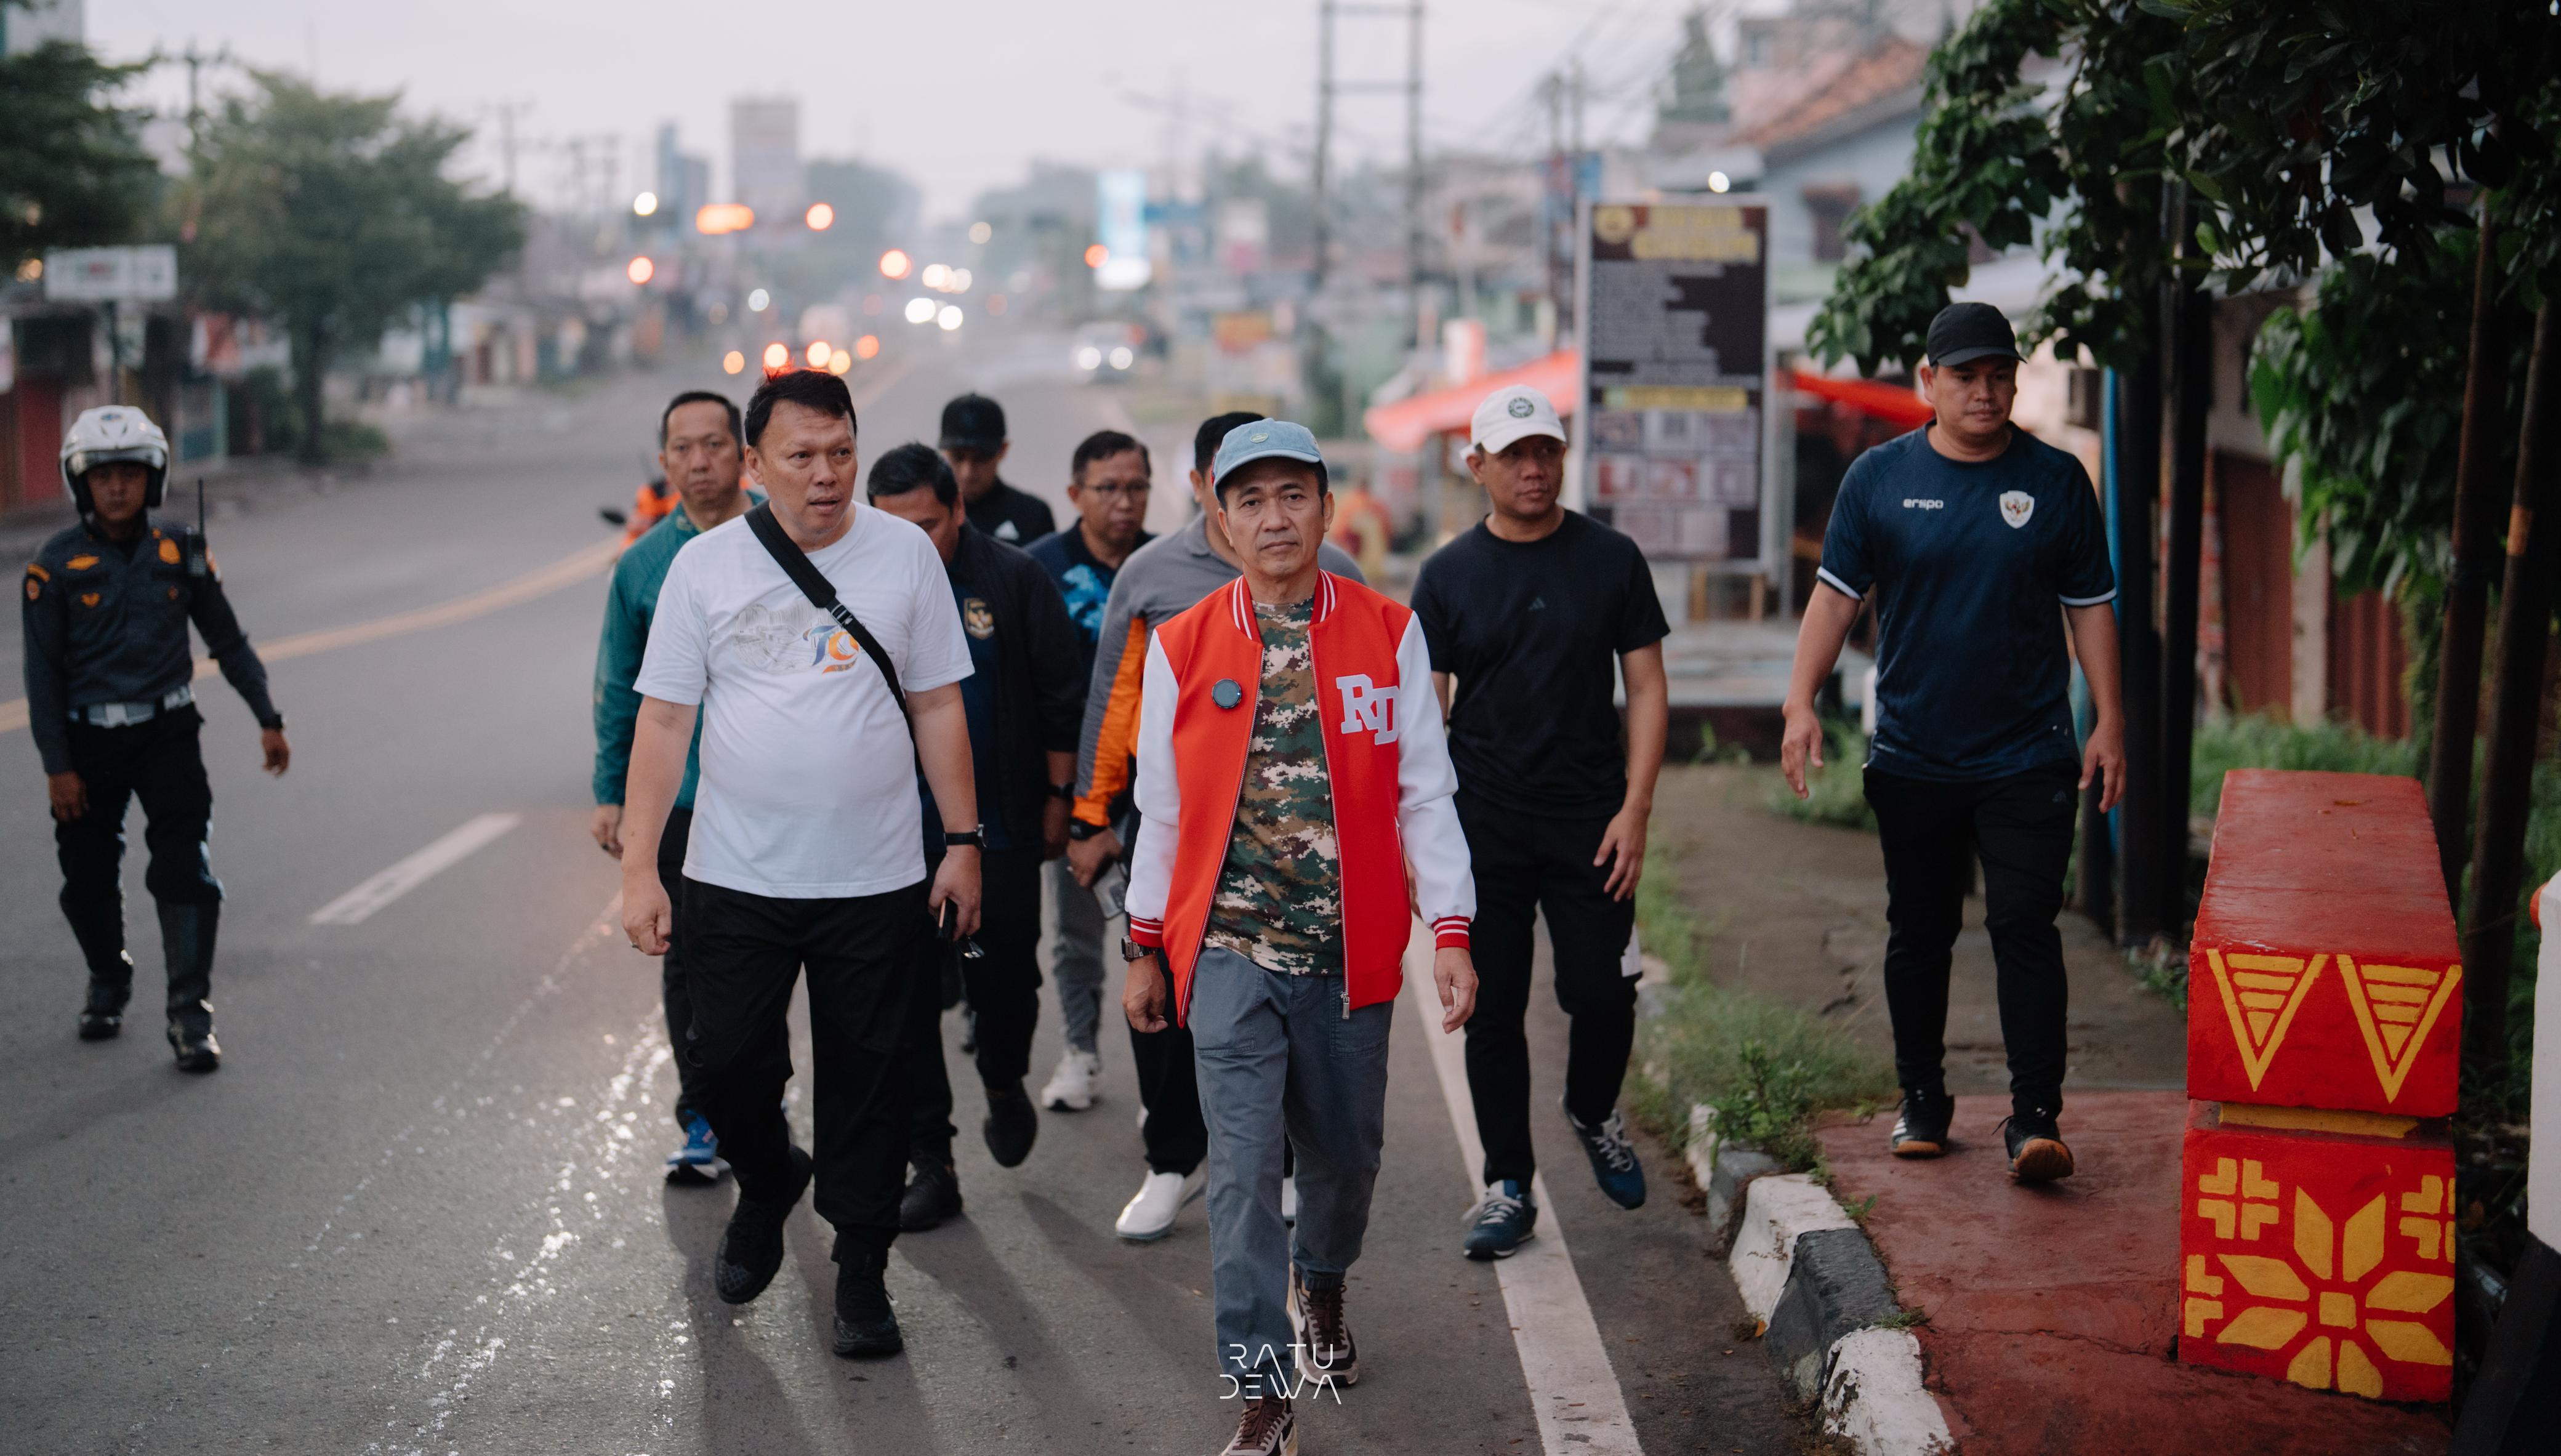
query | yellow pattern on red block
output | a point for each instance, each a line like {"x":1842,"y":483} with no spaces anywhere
{"x":2322,"y":1258}
{"x":2324,"y":953}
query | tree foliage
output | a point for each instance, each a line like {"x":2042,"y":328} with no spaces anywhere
{"x":73,"y":172}
{"x":332,"y":213}
{"x":2314,"y":140}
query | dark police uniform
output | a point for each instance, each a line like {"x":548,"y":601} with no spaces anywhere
{"x":108,"y":696}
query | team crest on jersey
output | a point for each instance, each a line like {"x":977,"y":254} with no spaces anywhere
{"x":977,"y":620}
{"x":2016,"y":506}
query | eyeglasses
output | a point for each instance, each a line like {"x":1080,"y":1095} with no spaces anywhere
{"x":1110,"y":489}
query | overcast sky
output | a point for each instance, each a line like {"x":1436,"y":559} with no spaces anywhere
{"x":958,"y":94}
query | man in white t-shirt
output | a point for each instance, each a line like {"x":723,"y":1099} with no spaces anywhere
{"x":808,"y":836}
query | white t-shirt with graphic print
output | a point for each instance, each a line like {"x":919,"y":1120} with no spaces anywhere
{"x":809,"y":780}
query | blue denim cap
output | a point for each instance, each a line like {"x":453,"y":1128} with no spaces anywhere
{"x":1259,"y":439}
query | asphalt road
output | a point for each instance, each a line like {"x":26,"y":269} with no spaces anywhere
{"x":419,"y":1208}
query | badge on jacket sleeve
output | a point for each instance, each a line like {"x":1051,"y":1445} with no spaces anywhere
{"x":1225,"y":693}
{"x":2016,"y":506}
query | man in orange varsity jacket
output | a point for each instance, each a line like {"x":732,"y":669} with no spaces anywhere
{"x":1291,"y":765}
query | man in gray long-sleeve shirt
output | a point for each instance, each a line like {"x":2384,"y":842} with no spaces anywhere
{"x":111,"y":707}
{"x":1160,"y":581}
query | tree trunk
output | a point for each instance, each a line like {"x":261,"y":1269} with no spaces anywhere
{"x":2459,"y":649}
{"x":2191,"y":350}
{"x":2517,"y":693}
{"x":2139,"y":419}
{"x":310,"y":368}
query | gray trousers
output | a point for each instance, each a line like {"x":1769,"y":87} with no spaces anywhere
{"x":1075,"y":954}
{"x":1279,"y":1063}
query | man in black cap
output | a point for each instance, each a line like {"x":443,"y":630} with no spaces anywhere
{"x":973,"y":440}
{"x":1979,"y":542}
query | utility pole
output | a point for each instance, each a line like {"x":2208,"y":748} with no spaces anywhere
{"x":1413,"y":169}
{"x":508,"y":111}
{"x":1324,"y":140}
{"x":196,"y":61}
{"x":1553,"y":89}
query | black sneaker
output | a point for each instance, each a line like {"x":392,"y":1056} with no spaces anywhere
{"x":751,"y":1251}
{"x":1921,"y":1128}
{"x":1012,"y":1125}
{"x":2036,"y":1151}
{"x":932,"y":1196}
{"x":1614,"y":1157}
{"x":104,"y":1016}
{"x":866,"y":1327}
{"x":192,"y":1041}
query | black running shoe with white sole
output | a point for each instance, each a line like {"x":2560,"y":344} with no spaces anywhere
{"x":1921,"y":1128}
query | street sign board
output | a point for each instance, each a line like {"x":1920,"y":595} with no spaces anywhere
{"x":144,"y":274}
{"x":1672,"y":308}
{"x":1121,"y":225}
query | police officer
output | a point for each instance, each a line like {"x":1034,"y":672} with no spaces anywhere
{"x":112,"y":711}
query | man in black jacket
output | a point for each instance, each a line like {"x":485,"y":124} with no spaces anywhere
{"x":1026,"y":701}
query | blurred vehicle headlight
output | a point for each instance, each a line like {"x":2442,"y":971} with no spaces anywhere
{"x":1088,"y":358}
{"x":918,"y":309}
{"x":1121,"y":358}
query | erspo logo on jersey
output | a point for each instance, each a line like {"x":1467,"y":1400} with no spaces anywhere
{"x":832,"y":648}
{"x":1368,"y":707}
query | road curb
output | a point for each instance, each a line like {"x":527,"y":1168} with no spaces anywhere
{"x":1814,"y":1280}
{"x":1723,"y":1173}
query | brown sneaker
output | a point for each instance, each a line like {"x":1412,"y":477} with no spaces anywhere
{"x":1324,"y":1342}
{"x":1266,"y":1429}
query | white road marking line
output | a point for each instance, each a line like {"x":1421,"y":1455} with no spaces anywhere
{"x":1573,"y":1390}
{"x":352,"y":907}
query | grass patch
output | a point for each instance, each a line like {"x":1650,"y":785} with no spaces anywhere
{"x":1836,"y":794}
{"x":1765,"y":1066}
{"x":2261,"y":742}
{"x":2163,"y":970}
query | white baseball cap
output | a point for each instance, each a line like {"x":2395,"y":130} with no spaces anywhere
{"x":1511,"y":413}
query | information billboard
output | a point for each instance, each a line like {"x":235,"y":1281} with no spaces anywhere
{"x":1673,"y":308}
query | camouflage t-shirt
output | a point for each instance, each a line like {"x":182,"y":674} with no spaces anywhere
{"x":1280,"y":896}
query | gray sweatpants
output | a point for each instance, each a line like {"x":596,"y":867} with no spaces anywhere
{"x":1278,"y":1062}
{"x":1075,"y":954}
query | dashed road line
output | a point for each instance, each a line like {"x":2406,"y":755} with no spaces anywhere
{"x":1573,"y":1390}
{"x":353,"y":907}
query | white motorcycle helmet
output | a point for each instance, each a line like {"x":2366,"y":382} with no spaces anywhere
{"x":112,"y":433}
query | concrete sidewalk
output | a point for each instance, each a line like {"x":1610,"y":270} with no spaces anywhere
{"x":2051,"y":1313}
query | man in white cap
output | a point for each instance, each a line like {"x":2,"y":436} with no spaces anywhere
{"x":1531,"y":612}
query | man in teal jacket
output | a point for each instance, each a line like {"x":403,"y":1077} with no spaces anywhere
{"x":699,"y":450}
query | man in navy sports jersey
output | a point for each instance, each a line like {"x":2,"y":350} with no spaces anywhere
{"x":1978,"y":542}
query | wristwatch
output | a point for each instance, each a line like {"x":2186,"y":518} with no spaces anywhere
{"x":1133,"y":951}
{"x":1079,"y":831}
{"x":1065,"y":791}
{"x":972,"y":837}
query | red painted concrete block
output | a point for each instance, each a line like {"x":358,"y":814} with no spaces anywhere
{"x":2324,"y":971}
{"x":2318,"y":1248}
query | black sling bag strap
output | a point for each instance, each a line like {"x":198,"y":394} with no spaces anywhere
{"x":821,"y":593}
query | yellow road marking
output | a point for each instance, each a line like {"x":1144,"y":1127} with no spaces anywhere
{"x":575,"y":567}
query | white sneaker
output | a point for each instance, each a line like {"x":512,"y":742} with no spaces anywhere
{"x":1071,"y":1087}
{"x":1289,"y":1200}
{"x":1150,"y":1215}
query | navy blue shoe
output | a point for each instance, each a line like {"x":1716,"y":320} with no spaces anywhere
{"x":1614,"y":1159}
{"x":1504,"y":1221}
{"x":697,"y":1164}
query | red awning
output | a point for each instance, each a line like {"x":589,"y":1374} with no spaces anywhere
{"x":1891,"y":402}
{"x":1409,"y":422}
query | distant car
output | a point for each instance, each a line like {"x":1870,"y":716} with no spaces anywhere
{"x":1105,"y":350}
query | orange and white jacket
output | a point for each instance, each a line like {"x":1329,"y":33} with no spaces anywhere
{"x":1387,"y":763}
